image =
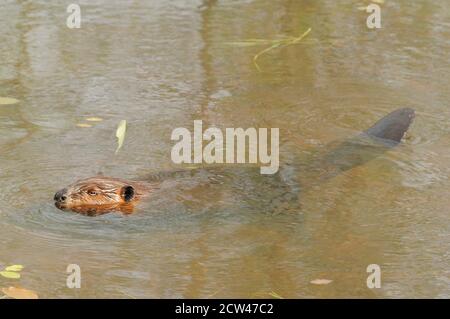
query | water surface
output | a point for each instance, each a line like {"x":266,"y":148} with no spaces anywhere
{"x":161,"y":65}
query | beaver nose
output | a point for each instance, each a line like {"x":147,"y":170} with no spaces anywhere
{"x":60,"y":196}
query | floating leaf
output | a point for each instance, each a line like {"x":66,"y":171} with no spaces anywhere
{"x":20,"y":293}
{"x":10,"y":274}
{"x":94,"y":119}
{"x":120,"y":134}
{"x":14,"y":268}
{"x":84,"y":125}
{"x":321,"y":281}
{"x":8,"y":100}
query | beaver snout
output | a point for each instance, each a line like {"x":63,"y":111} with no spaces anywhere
{"x":61,"y":195}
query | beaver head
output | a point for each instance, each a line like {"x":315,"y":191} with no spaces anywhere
{"x":99,"y":195}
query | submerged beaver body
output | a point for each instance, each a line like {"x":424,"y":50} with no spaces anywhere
{"x":100,"y":194}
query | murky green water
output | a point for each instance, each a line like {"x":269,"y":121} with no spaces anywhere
{"x":160,"y":65}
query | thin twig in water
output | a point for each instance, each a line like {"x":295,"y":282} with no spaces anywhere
{"x":279,"y":43}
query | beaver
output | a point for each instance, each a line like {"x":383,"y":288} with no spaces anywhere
{"x":100,"y":194}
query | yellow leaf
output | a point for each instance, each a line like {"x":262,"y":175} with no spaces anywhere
{"x":321,"y":281}
{"x":84,"y":125}
{"x":8,"y":100}
{"x":14,"y":268}
{"x":120,"y":134}
{"x":10,"y":274}
{"x":19,"y":293}
{"x":94,"y":119}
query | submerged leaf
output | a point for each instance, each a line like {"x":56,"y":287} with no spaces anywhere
{"x":8,"y":100}
{"x":321,"y":281}
{"x":94,"y":119}
{"x":19,"y":293}
{"x":14,"y":268}
{"x":84,"y":125}
{"x":120,"y":134}
{"x":10,"y":274}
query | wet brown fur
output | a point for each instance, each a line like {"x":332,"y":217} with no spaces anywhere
{"x":100,"y":194}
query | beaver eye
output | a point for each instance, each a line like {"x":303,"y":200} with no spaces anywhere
{"x":92,"y":192}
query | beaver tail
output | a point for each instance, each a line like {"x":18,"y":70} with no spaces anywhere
{"x":393,"y":126}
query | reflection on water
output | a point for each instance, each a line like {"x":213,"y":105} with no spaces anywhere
{"x":160,"y":65}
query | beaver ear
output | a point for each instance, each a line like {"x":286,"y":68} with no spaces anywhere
{"x":127,"y":193}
